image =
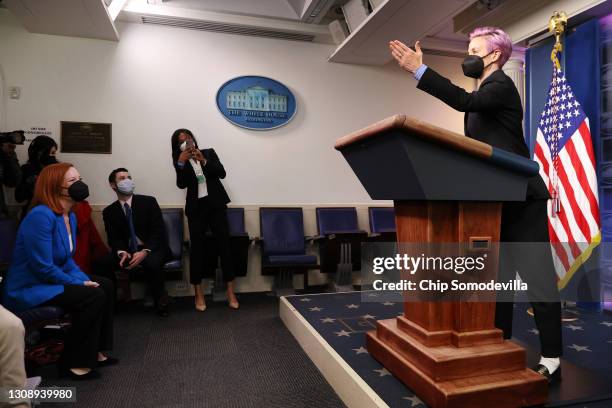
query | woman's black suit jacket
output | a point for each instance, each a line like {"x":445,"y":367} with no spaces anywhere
{"x":213,"y":171}
{"x":493,"y":115}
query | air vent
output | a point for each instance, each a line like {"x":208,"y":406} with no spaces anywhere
{"x":317,"y":10}
{"x":225,"y":28}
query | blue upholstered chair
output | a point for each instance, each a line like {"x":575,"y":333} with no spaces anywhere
{"x":337,"y":220}
{"x":340,"y":242}
{"x":235,"y":219}
{"x":283,"y":247}
{"x":382,"y":224}
{"x":173,"y":219}
{"x":382,"y":220}
{"x":239,"y":245}
{"x":239,"y":240}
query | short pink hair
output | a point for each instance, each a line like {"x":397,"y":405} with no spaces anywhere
{"x":497,"y":39}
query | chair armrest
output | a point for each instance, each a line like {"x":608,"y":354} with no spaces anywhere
{"x":312,"y":238}
{"x":347,"y":234}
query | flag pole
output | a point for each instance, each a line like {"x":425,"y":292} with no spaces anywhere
{"x":556,"y":25}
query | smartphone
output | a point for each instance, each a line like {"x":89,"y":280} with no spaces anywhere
{"x":189,"y":144}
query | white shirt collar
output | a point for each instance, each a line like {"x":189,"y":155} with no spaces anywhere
{"x":128,"y":201}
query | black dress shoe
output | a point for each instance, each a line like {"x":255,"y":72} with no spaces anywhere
{"x":91,"y":375}
{"x":110,"y":361}
{"x":552,"y":378}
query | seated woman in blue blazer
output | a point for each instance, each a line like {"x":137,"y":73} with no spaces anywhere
{"x":44,"y":273}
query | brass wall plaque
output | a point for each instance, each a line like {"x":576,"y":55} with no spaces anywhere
{"x":86,"y":137}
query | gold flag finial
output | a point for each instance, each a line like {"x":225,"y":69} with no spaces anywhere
{"x":556,"y":25}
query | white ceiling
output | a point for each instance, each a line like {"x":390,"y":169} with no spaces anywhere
{"x":76,"y":18}
{"x":296,"y":10}
{"x":283,"y":9}
{"x":432,"y":21}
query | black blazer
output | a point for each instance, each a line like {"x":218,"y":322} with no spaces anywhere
{"x":493,"y":115}
{"x":213,"y":171}
{"x":148,"y":223}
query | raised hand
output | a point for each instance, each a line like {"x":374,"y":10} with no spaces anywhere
{"x":406,"y":58}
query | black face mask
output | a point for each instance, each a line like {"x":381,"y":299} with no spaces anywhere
{"x":473,"y":65}
{"x":78,"y":191}
{"x":47,"y":160}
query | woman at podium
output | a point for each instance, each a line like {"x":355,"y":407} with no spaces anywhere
{"x":493,"y":115}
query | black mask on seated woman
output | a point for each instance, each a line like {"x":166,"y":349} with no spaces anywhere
{"x":47,"y":160}
{"x":78,"y":191}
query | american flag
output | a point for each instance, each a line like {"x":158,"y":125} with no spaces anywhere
{"x":564,"y":151}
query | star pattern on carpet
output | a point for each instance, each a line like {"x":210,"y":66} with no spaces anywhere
{"x":343,"y":333}
{"x":305,"y":300}
{"x":414,"y":401}
{"x":383,"y":372}
{"x":315,"y":309}
{"x":352,"y":306}
{"x":579,"y":348}
{"x":588,"y":337}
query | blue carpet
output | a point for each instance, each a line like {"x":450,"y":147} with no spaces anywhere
{"x":587,"y":342}
{"x":342,"y":319}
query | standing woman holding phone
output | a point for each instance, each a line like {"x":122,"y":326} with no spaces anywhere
{"x":200,"y":171}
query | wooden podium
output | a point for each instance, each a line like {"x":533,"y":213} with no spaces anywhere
{"x":446,"y":188}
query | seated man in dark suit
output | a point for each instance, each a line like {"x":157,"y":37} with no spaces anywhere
{"x":137,"y":235}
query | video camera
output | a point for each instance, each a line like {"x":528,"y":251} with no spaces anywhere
{"x":15,"y":137}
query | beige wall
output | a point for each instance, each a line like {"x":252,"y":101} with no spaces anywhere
{"x":157,"y":79}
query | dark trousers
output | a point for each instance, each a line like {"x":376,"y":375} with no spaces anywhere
{"x":91,"y":311}
{"x":151,"y":269}
{"x":104,"y":267}
{"x":525,"y":249}
{"x":200,"y":221}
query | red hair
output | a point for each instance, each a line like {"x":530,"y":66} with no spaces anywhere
{"x":48,"y":189}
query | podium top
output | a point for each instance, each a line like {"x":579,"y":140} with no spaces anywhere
{"x":451,"y":140}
